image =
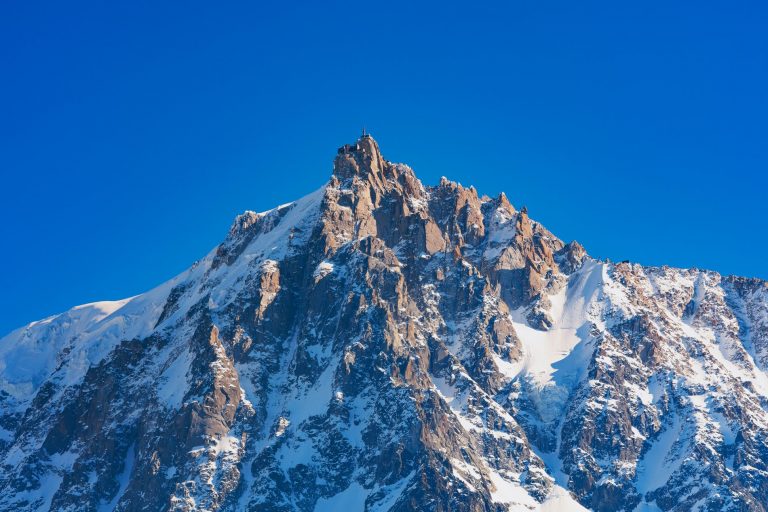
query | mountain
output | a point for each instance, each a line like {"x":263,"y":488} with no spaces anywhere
{"x":381,"y":345}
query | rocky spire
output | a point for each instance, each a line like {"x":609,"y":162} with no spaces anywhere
{"x":359,"y":159}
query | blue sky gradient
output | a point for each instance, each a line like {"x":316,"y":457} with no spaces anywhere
{"x":132,"y":133}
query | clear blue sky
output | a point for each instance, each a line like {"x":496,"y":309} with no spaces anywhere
{"x":132,"y":133}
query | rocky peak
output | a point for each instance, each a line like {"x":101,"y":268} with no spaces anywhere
{"x":503,"y":202}
{"x":363,"y":158}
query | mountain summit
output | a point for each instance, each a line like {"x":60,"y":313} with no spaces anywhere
{"x":380,"y":345}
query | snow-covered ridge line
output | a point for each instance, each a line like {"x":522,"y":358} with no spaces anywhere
{"x":89,"y":332}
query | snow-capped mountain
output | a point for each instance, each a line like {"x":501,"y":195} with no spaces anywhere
{"x":382,"y":345}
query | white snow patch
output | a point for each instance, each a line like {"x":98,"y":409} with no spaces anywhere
{"x":352,"y":498}
{"x":501,"y":232}
{"x":560,"y":500}
{"x":123,"y":479}
{"x":510,"y":493}
{"x":393,"y":493}
{"x":174,"y":381}
{"x":554,"y":361}
{"x":316,"y":399}
{"x":647,"y":507}
{"x":661,"y":460}
{"x":322,"y":270}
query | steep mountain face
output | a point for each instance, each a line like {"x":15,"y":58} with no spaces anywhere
{"x":381,"y":345}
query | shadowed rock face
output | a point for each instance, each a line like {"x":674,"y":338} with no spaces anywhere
{"x":382,"y":345}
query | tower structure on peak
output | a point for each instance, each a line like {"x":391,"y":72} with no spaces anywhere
{"x":365,"y":137}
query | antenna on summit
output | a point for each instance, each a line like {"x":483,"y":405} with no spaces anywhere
{"x":365,"y":134}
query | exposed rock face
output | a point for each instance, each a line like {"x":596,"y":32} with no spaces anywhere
{"x":381,"y":345}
